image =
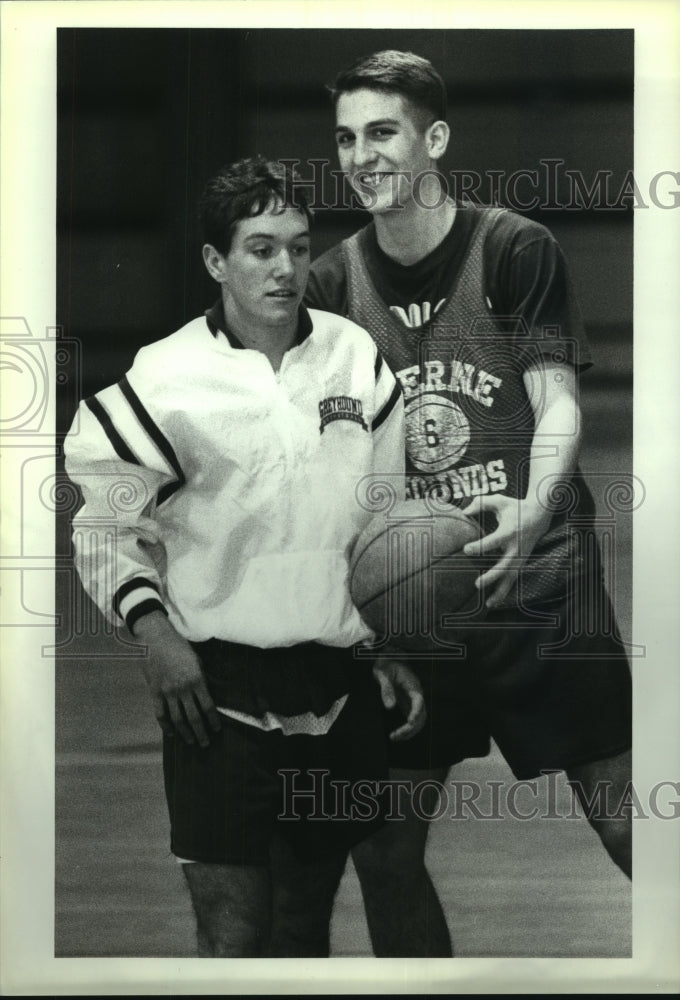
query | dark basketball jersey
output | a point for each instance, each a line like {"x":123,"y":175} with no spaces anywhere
{"x":469,"y":419}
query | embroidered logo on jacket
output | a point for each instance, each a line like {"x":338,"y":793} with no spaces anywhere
{"x":341,"y":408}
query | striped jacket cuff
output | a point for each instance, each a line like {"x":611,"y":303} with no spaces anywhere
{"x":145,"y":608}
{"x":135,"y":598}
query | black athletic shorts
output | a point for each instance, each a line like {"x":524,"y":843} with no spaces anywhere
{"x":321,"y":792}
{"x":553,"y":692}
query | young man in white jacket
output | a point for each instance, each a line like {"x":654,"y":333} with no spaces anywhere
{"x":222,"y":479}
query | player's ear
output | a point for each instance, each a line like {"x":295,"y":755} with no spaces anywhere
{"x":215,"y":262}
{"x":437,"y":139}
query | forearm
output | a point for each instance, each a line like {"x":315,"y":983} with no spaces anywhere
{"x":553,"y":457}
{"x":152,"y":626}
{"x":557,"y":435}
{"x":554,"y":450}
{"x":179,"y":694}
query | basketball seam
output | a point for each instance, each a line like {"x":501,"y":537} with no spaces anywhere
{"x":381,"y":593}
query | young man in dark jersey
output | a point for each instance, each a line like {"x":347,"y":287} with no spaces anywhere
{"x":474,"y":312}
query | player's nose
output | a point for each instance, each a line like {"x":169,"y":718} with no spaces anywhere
{"x":283,"y":264}
{"x":363,"y":153}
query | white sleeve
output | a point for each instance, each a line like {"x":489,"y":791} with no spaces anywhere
{"x":388,"y":428}
{"x":120,"y":469}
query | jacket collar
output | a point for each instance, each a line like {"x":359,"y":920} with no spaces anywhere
{"x":217,"y":323}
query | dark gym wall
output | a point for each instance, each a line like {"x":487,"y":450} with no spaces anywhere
{"x":145,"y":116}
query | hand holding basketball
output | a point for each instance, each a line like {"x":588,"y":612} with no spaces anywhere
{"x":410,"y":578}
{"x":520,"y":525}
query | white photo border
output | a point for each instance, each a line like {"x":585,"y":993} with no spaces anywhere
{"x":28,"y":258}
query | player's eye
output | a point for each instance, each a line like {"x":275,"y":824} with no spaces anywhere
{"x":301,"y":250}
{"x":383,"y":133}
{"x":344,"y":138}
{"x":261,"y":252}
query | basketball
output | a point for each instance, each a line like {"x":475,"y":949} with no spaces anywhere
{"x":409,"y":577}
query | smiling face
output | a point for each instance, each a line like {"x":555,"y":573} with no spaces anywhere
{"x":384,"y":144}
{"x":264,"y":275}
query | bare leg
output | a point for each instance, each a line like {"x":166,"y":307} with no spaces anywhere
{"x":232,"y":907}
{"x":405,"y":917}
{"x":601,"y":787}
{"x":303,"y":891}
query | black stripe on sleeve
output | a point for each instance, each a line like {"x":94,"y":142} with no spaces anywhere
{"x":145,"y":608}
{"x":112,"y":434}
{"x":128,"y":587}
{"x":378,"y":365}
{"x":383,"y":414}
{"x":165,"y":492}
{"x":152,"y":429}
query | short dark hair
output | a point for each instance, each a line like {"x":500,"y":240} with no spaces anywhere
{"x":405,"y":73}
{"x":244,"y":189}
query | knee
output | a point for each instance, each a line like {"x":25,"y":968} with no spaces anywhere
{"x":240,"y":939}
{"x":615,"y":832}
{"x":232,"y":910}
{"x":395,"y":852}
{"x":304,"y":888}
{"x":301,"y":916}
{"x":306,"y":904}
{"x":603,"y":789}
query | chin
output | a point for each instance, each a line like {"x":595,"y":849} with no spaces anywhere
{"x":284,"y":312}
{"x":380,"y":202}
{"x":386,"y":208}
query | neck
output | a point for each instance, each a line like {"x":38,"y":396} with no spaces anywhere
{"x":410,"y":233}
{"x":272,"y":341}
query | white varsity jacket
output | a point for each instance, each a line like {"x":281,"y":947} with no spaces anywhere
{"x":229,"y":495}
